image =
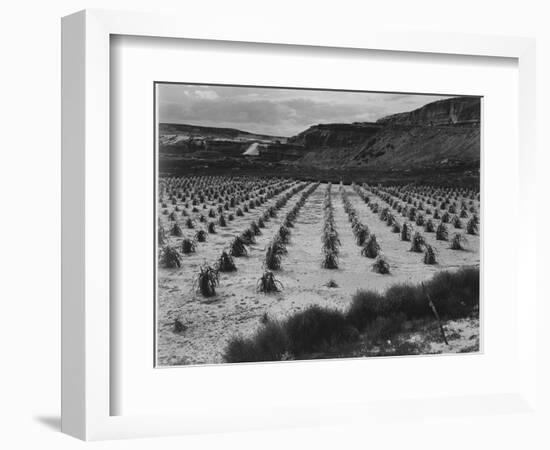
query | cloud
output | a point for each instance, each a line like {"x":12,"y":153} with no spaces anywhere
{"x":282,"y":112}
{"x":206,"y":94}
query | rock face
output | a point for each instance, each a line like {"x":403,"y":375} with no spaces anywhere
{"x":441,"y":134}
{"x":454,"y":111}
{"x":335,"y":135}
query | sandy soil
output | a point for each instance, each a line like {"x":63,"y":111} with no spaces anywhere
{"x":238,"y":308}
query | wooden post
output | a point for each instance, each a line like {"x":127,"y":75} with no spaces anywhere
{"x":434,"y":310}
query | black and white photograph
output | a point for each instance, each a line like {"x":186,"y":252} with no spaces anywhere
{"x":302,"y":224}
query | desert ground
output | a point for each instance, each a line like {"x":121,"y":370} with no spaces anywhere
{"x":238,"y":309}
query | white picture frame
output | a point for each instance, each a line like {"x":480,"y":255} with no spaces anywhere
{"x":86,"y":284}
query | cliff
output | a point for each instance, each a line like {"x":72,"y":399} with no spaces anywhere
{"x":453,"y":111}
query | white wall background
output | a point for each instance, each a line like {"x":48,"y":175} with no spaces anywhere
{"x":30,"y":190}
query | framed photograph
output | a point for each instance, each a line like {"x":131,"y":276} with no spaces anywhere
{"x":270,"y":230}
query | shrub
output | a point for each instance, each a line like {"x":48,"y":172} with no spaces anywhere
{"x":458,"y":241}
{"x":261,"y":223}
{"x":201,"y":236}
{"x":274,"y":253}
{"x":364,"y":309}
{"x":238,"y":247}
{"x":269,"y":343}
{"x":202,"y":218}
{"x":176,"y":230}
{"x":429,"y":255}
{"x":418,"y":243}
{"x":284,"y":234}
{"x":330,"y":259}
{"x":471,"y":226}
{"x":172,"y":216}
{"x":239,"y":212}
{"x":429,"y":226}
{"x":179,"y":327}
{"x":221,"y":221}
{"x":331,"y":284}
{"x":371,"y":248}
{"x":455,"y":293}
{"x":211,"y":213}
{"x":231,"y":217}
{"x":289,"y":220}
{"x":330,"y":240}
{"x":268,"y":283}
{"x":457,"y":223}
{"x":189,"y":223}
{"x":441,"y":234}
{"x":188,"y":246}
{"x":464,"y":214}
{"x":361,"y":234}
{"x":207,"y":280}
{"x":212,"y":228}
{"x":396,"y":228}
{"x":317,"y":328}
{"x":420,"y":220}
{"x":381,"y":266}
{"x":161,"y":235}
{"x":445,"y":217}
{"x":170,"y":257}
{"x":406,"y":232}
{"x":248,"y":237}
{"x":254,"y":227}
{"x":226,"y":263}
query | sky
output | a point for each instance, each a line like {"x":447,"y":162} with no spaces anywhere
{"x":274,"y":111}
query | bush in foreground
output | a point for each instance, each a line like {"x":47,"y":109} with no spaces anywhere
{"x":317,"y":329}
{"x":267,"y":344}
